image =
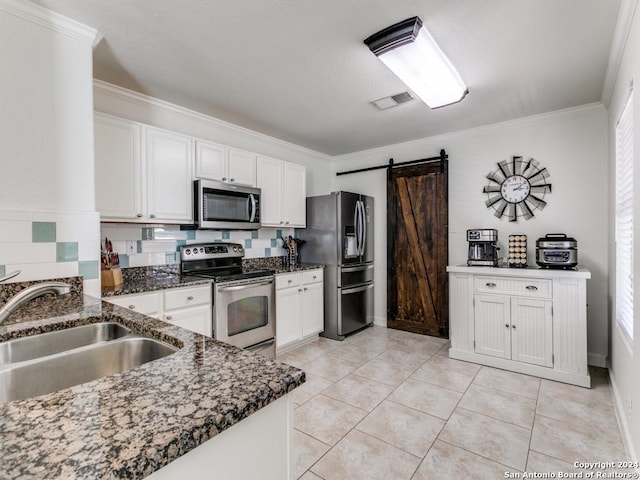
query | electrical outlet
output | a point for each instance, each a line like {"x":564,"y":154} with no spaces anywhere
{"x":132,"y":247}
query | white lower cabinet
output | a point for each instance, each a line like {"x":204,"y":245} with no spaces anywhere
{"x":188,"y":307}
{"x":534,"y":322}
{"x":299,"y":307}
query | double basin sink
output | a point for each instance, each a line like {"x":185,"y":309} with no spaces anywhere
{"x":47,"y":362}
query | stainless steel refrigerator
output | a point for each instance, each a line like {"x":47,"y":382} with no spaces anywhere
{"x":339,"y":234}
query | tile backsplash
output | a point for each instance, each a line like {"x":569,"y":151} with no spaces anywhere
{"x":141,"y":246}
{"x":53,"y":244}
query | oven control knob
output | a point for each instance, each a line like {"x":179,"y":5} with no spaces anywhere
{"x":235,"y":249}
{"x":187,"y":251}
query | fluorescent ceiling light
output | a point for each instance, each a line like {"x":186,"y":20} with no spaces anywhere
{"x":410,"y":52}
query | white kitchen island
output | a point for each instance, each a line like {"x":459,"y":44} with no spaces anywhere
{"x":531,"y":321}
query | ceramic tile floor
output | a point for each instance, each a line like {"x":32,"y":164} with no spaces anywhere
{"x":386,"y":404}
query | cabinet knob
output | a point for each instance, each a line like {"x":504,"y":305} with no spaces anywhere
{"x":305,"y":289}
{"x":287,"y":222}
{"x":224,"y":179}
{"x":189,"y":297}
{"x":169,"y":317}
{"x":153,"y":215}
{"x":132,"y":307}
{"x":289,"y":281}
{"x":139,"y":215}
{"x":490,"y":285}
{"x":506,"y":325}
{"x":281,"y":222}
{"x":532,"y":287}
{"x":232,"y":179}
{"x":300,"y":290}
{"x":513,"y":326}
{"x":314,"y":277}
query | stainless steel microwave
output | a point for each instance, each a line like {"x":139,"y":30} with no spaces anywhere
{"x":223,"y":206}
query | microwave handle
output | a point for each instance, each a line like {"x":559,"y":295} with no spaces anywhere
{"x":252,"y":207}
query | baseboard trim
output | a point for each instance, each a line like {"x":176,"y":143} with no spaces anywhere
{"x":623,"y":424}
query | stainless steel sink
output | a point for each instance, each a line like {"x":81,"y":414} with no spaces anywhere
{"x":76,"y":365}
{"x":36,"y":346}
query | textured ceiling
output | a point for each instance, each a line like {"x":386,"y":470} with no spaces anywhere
{"x":298,"y":69}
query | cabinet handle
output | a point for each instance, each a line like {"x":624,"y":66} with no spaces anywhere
{"x":139,"y":215}
{"x":314,"y":277}
{"x":299,"y":290}
{"x":532,"y":287}
{"x":287,"y":222}
{"x":289,"y":281}
{"x":224,"y":179}
{"x":491,"y":285}
{"x":281,"y":222}
{"x":168,"y":317}
{"x":189,"y":297}
{"x":153,"y":215}
{"x":513,"y":326}
{"x":506,"y":325}
{"x":305,"y":289}
{"x":132,"y":307}
{"x":232,"y":179}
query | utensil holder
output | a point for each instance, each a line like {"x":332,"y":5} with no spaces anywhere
{"x":111,"y":277}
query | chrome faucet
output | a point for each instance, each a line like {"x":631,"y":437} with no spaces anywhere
{"x":31,"y":292}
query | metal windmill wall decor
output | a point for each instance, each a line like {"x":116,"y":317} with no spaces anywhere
{"x":517,"y":188}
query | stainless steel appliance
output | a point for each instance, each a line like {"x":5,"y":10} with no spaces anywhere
{"x":557,"y":250}
{"x":339,"y":234}
{"x":243,"y":300}
{"x":483,"y":247}
{"x":222,"y":206}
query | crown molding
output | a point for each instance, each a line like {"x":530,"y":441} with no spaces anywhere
{"x":618,"y":44}
{"x":441,"y":139}
{"x":52,"y":20}
{"x":126,"y":95}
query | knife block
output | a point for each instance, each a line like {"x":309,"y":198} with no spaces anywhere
{"x":111,"y":277}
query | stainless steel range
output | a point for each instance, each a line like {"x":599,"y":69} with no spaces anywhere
{"x":243,"y":300}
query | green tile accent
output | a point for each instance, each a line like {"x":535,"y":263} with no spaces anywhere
{"x":89,"y":269}
{"x":267,"y":252}
{"x":217,"y":240}
{"x":254,"y":233}
{"x":247,"y":243}
{"x":43,"y":232}
{"x":138,"y":246}
{"x":2,"y":271}
{"x":170,"y":258}
{"x":67,"y":252}
{"x":124,"y":260}
{"x":191,"y":234}
{"x":180,"y":243}
{"x":225,"y":235}
{"x":147,"y":233}
{"x":278,"y":233}
{"x":274,"y":242}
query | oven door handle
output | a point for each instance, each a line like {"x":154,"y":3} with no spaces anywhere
{"x":243,"y":287}
{"x":347,"y":291}
{"x":261,"y":345}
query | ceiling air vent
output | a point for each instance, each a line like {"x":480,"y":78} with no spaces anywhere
{"x":392,"y":101}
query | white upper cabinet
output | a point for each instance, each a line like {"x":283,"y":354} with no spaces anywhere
{"x":118,"y":167}
{"x":169,"y":159}
{"x":143,"y":174}
{"x":225,"y":164}
{"x":284,"y":191}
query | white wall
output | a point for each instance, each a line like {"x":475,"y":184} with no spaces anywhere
{"x":572,"y":144}
{"x":141,"y":108}
{"x":625,"y":363}
{"x":48,"y":224}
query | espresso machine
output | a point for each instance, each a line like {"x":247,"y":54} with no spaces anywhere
{"x":483,"y":248}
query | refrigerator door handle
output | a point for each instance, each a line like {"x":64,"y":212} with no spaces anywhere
{"x":360,"y":228}
{"x":364,"y":226}
{"x":347,"y":291}
{"x":356,"y":222}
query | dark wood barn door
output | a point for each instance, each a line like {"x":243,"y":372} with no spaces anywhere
{"x":417,"y":218}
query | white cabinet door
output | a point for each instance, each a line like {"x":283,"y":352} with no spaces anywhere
{"x":145,"y":303}
{"x":312,"y":309}
{"x":288,"y":310}
{"x":118,"y":168}
{"x":197,"y":319}
{"x":270,"y":178}
{"x":492,"y":325}
{"x":211,"y":161}
{"x":169,"y":184}
{"x":532,"y":331}
{"x":295,"y":194}
{"x":242,"y":167}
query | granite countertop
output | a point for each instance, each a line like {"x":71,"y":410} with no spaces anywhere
{"x":150,"y":279}
{"x":133,"y":423}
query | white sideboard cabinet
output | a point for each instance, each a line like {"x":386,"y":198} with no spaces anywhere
{"x":531,"y":321}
